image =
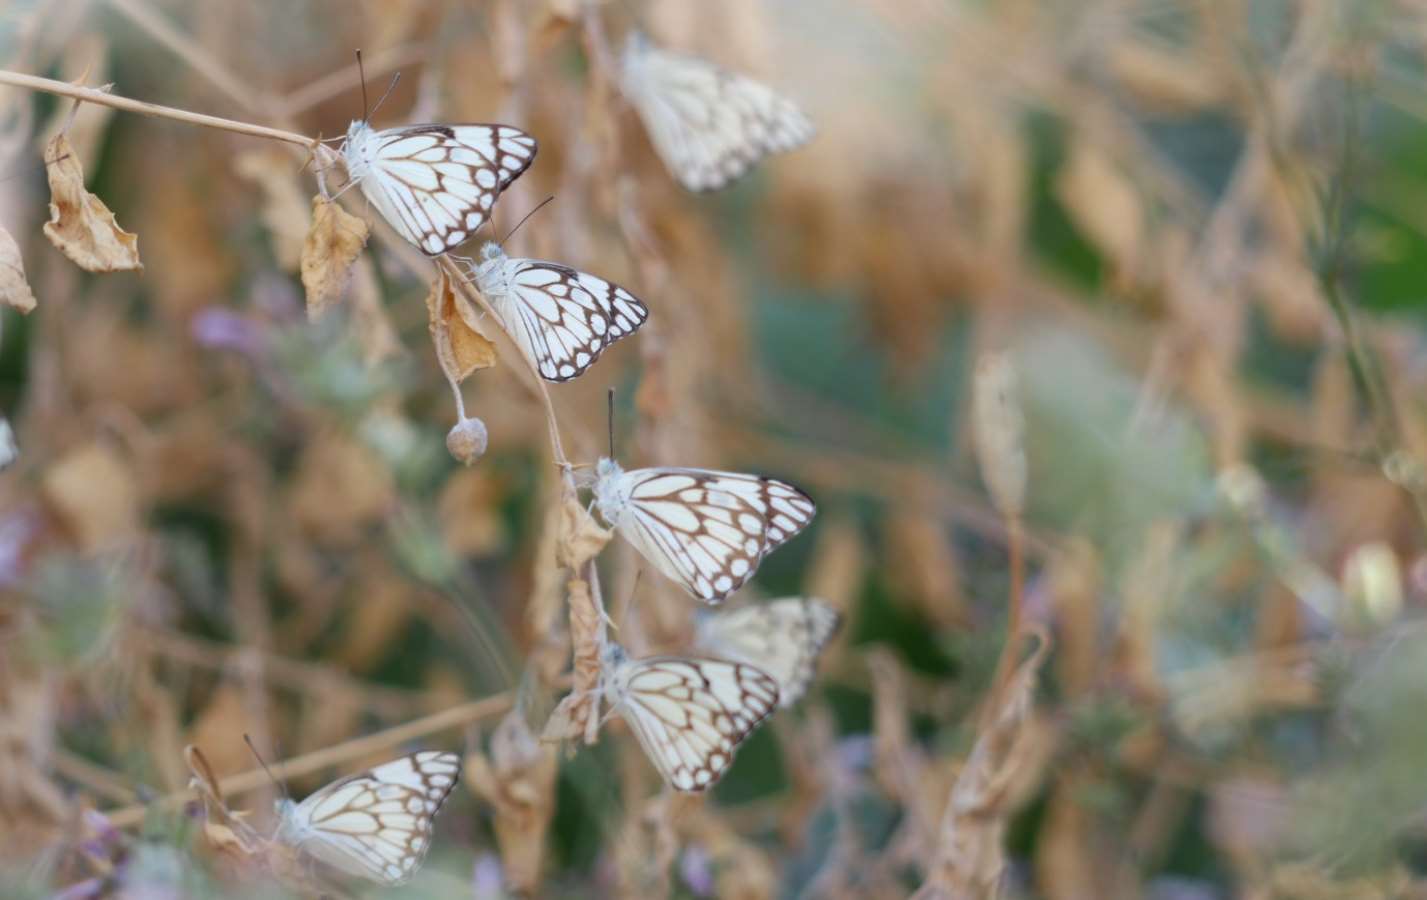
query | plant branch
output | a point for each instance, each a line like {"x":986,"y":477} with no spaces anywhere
{"x":105,"y":98}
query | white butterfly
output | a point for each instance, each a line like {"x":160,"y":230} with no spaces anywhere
{"x":707,"y":124}
{"x":706,"y":530}
{"x":689,"y":714}
{"x":562,"y":318}
{"x":782,"y":637}
{"x":436,"y":184}
{"x":376,"y":824}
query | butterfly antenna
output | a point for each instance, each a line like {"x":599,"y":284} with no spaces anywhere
{"x":362,"y":76}
{"x":522,"y":221}
{"x":259,"y":757}
{"x":611,"y":423}
{"x":389,"y":88}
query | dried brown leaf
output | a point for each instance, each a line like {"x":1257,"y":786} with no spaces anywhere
{"x":14,"y":288}
{"x":971,"y":858}
{"x":518,"y":779}
{"x":581,"y":537}
{"x":80,"y":225}
{"x":461,"y":346}
{"x":577,"y":715}
{"x":333,"y":243}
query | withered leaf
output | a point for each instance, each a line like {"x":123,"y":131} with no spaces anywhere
{"x":581,"y":537}
{"x":461,"y":347}
{"x":14,"y":288}
{"x":80,"y":225}
{"x":970,"y":858}
{"x":333,"y":243}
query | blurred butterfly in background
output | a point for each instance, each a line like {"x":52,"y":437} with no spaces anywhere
{"x":708,"y":125}
{"x":782,"y":637}
{"x":689,"y":714}
{"x":436,"y":184}
{"x":706,"y":530}
{"x":562,"y":318}
{"x":377,"y":824}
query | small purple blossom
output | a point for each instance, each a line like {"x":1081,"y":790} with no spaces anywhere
{"x":696,"y":870}
{"x":219,"y":328}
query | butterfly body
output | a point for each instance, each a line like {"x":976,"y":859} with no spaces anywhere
{"x":707,"y":124}
{"x":376,"y":824}
{"x":689,"y":714}
{"x":436,"y":184}
{"x":562,"y":318}
{"x":706,"y":530}
{"x":783,"y":637}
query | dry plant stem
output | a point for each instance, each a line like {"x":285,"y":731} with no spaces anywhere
{"x":104,"y":98}
{"x":101,"y":781}
{"x":318,"y":760}
{"x":1015,"y":546}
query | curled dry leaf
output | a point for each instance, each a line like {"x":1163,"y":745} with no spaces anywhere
{"x":80,"y":225}
{"x":519,"y":781}
{"x":970,"y":857}
{"x":461,"y":346}
{"x":333,"y":243}
{"x":581,"y":537}
{"x":14,"y":288}
{"x":577,"y":716}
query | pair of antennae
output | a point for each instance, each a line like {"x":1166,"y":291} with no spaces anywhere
{"x":362,"y":74}
{"x":259,"y":757}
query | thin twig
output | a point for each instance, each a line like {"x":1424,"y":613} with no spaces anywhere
{"x":105,"y":98}
{"x":318,"y":760}
{"x":182,"y":46}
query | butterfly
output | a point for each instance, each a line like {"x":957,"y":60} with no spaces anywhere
{"x":689,"y":714}
{"x":782,"y":637}
{"x":436,"y":184}
{"x":708,"y":125}
{"x":562,"y":318}
{"x":706,"y":530}
{"x":376,"y":824}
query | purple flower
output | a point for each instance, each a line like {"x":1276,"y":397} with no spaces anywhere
{"x":219,"y":328}
{"x":696,"y":870}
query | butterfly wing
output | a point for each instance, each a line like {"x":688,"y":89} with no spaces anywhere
{"x":691,"y":714}
{"x":436,"y":184}
{"x":709,"y":530}
{"x":378,"y":824}
{"x":708,"y":125}
{"x":782,"y":637}
{"x":564,"y":319}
